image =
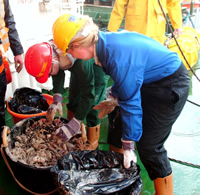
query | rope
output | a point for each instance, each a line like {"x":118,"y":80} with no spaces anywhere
{"x":22,"y":186}
{"x":186,"y":134}
{"x":177,"y":41}
{"x":193,"y":103}
{"x":174,"y":160}
{"x":6,"y":131}
{"x":185,"y":163}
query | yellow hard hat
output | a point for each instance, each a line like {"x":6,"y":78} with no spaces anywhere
{"x":65,"y":28}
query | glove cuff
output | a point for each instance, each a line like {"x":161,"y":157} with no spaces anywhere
{"x":128,"y":145}
{"x":57,"y":97}
{"x":114,"y":100}
{"x":74,"y":125}
{"x":67,"y":131}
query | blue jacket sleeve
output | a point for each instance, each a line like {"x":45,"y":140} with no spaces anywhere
{"x":127,"y":89}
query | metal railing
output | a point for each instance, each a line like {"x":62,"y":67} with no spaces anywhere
{"x":35,"y":28}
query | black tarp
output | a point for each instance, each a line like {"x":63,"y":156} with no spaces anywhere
{"x":96,"y":172}
{"x":28,"y":101}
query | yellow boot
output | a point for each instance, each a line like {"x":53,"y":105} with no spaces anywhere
{"x":70,"y":114}
{"x":115,"y":149}
{"x":93,"y":136}
{"x":164,"y":186}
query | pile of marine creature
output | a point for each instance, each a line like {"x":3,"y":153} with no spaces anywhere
{"x":38,"y":146}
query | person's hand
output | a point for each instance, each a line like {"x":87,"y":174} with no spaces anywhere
{"x":55,"y":51}
{"x":18,"y":62}
{"x":55,"y":107}
{"x":106,"y":106}
{"x":129,"y":154}
{"x":178,"y":32}
{"x":67,"y":131}
{"x":54,"y":47}
{"x":65,"y":62}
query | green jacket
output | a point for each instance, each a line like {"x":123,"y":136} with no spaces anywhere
{"x":87,"y":88}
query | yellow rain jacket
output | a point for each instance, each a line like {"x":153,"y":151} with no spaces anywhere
{"x":146,"y":17}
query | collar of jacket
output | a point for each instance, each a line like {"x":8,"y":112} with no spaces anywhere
{"x":96,"y":59}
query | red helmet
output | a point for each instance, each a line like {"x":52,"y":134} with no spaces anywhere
{"x":38,"y":61}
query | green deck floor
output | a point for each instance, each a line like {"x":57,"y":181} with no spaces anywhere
{"x":183,"y":149}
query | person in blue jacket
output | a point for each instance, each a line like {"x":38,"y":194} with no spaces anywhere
{"x":151,"y":86}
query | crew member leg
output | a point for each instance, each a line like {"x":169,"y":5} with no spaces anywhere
{"x":162,"y":103}
{"x":93,"y":129}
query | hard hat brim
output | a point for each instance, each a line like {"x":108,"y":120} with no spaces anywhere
{"x":42,"y":79}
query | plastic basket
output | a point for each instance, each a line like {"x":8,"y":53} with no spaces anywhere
{"x":18,"y":117}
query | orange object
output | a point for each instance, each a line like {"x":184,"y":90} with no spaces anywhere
{"x":18,"y":117}
{"x":187,"y":4}
{"x":1,"y":68}
{"x":164,"y":185}
{"x":6,"y":66}
{"x":195,"y":5}
{"x":7,"y":70}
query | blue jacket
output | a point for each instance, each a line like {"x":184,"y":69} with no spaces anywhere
{"x":132,"y":59}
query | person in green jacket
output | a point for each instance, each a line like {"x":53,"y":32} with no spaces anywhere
{"x":86,"y":89}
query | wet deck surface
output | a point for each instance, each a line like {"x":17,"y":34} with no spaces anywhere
{"x":183,"y":144}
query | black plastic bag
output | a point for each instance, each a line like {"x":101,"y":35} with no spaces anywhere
{"x":28,"y":101}
{"x":96,"y":172}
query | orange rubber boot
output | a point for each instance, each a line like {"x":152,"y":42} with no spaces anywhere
{"x":115,"y":149}
{"x":164,"y":186}
{"x":93,"y":136}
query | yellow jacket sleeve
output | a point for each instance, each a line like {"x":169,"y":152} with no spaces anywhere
{"x":175,"y":13}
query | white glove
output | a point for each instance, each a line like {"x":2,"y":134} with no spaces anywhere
{"x":129,"y":154}
{"x":55,"y":107}
{"x":106,"y":106}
